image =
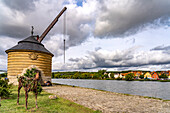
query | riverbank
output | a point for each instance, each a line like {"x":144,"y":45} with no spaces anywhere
{"x":108,"y":101}
{"x":45,"y":105}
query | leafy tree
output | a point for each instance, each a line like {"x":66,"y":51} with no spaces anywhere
{"x":129,"y":77}
{"x":112,"y":76}
{"x":141,"y":76}
{"x":101,"y":71}
{"x":164,"y":76}
{"x":76,"y":76}
{"x":56,"y":75}
{"x":85,"y":76}
{"x":53,"y":75}
{"x":95,"y":76}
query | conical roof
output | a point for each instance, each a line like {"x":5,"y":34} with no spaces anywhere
{"x":29,"y":44}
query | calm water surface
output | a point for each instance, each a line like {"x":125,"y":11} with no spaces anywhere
{"x":143,"y":88}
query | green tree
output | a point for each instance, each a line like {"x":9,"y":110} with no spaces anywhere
{"x":76,"y":75}
{"x":101,"y":71}
{"x":95,"y":76}
{"x":141,"y":76}
{"x":164,"y":76}
{"x":129,"y":77}
{"x":112,"y":76}
{"x":52,"y":75}
{"x":57,"y":75}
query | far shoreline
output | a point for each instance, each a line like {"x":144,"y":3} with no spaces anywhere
{"x":119,"y":80}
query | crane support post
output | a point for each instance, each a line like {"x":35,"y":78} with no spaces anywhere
{"x":52,"y":24}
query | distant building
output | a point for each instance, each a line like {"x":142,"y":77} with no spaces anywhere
{"x":148,"y":75}
{"x":155,"y":75}
{"x":116,"y":75}
{"x":137,"y":74}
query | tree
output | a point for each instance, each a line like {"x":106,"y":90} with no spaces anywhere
{"x":101,"y":71}
{"x":85,"y":76}
{"x":52,"y":75}
{"x":129,"y":77}
{"x":57,"y":75}
{"x":164,"y":76}
{"x":76,"y":75}
{"x":112,"y":76}
{"x":141,"y":76}
{"x":95,"y":76}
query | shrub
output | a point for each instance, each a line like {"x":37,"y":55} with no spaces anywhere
{"x":141,"y":76}
{"x":129,"y":77}
{"x":3,"y":75}
{"x":112,"y":76}
{"x":164,"y":76}
{"x":5,"y":88}
{"x":39,"y":88}
{"x":30,"y":73}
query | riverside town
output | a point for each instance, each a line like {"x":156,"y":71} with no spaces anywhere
{"x":116,"y":75}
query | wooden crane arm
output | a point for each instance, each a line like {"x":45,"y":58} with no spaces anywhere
{"x":52,"y":24}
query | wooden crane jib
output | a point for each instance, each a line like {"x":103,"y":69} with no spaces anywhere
{"x":51,"y":25}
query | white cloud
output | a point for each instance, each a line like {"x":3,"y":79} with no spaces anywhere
{"x":118,"y":59}
{"x":102,"y":18}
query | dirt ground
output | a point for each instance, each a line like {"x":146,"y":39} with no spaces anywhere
{"x":109,"y":102}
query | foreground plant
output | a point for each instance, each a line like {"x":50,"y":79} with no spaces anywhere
{"x":5,"y":88}
{"x":30,"y":81}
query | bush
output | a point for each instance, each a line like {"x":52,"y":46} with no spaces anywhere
{"x":30,"y":73}
{"x":112,"y":76}
{"x":163,"y":76}
{"x":39,"y":88}
{"x":5,"y":88}
{"x":141,"y":76}
{"x":129,"y":77}
{"x":52,"y":75}
{"x":3,"y":75}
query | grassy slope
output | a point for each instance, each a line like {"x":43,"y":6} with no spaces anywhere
{"x":44,"y":103}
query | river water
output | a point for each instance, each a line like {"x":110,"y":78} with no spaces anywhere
{"x":142,"y":88}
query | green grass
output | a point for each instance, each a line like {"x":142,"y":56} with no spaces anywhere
{"x":45,"y":105}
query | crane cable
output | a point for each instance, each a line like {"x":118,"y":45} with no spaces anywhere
{"x":64,"y":33}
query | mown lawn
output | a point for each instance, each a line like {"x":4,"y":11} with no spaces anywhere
{"x":45,"y":105}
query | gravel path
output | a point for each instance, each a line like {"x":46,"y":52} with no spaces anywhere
{"x":109,"y":102}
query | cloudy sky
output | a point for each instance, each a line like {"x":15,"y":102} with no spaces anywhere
{"x":100,"y":34}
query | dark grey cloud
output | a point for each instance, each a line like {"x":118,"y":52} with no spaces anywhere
{"x":74,"y":60}
{"x":15,"y":31}
{"x":20,"y":5}
{"x":120,"y":18}
{"x":40,"y":16}
{"x":107,"y":18}
{"x":164,"y":49}
{"x":161,"y":48}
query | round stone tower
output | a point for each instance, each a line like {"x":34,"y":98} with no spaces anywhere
{"x":28,"y":52}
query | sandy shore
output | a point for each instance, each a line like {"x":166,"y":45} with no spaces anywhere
{"x":109,"y":102}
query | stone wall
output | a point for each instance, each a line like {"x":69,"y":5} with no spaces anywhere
{"x":17,"y":61}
